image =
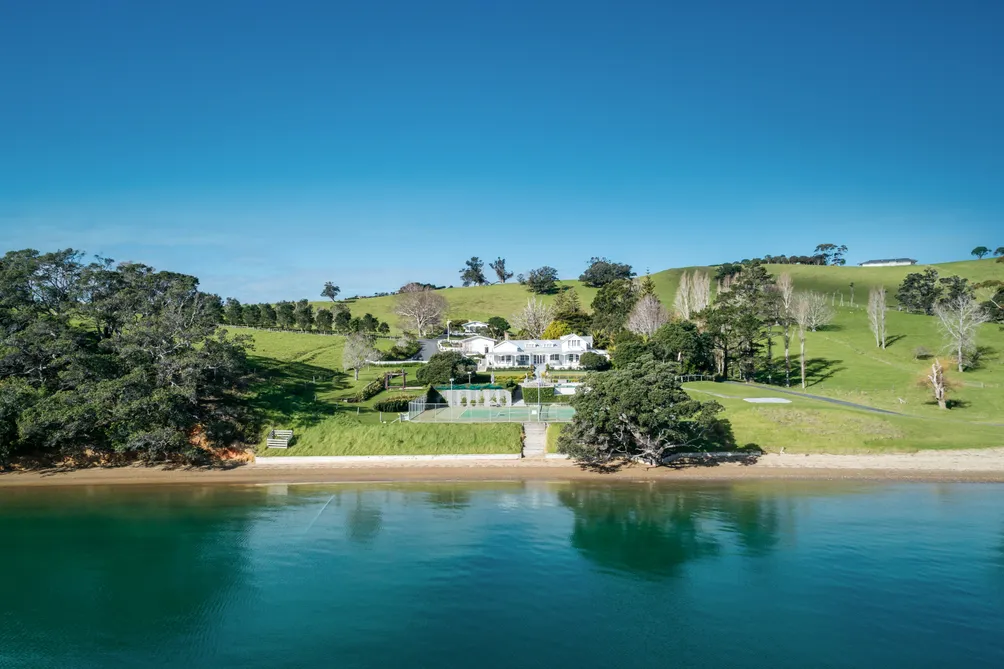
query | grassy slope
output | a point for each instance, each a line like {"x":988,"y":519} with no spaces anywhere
{"x":503,"y":300}
{"x":812,"y":426}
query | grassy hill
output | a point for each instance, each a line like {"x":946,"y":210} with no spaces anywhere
{"x":306,"y":388}
{"x":480,"y":303}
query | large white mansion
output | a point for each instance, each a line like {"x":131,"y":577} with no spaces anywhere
{"x":563,"y":353}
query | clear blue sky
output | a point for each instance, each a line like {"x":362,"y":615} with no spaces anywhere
{"x":269,"y":146}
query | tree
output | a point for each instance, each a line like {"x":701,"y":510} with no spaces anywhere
{"x":602,"y":271}
{"x":500,"y":270}
{"x":324,"y":319}
{"x":497,"y":326}
{"x":938,"y":386}
{"x":811,"y":312}
{"x":534,"y":318}
{"x":303,"y":314}
{"x":542,"y":281}
{"x":420,"y":309}
{"x":473,"y":272}
{"x":681,"y":342}
{"x":252,"y":315}
{"x":445,"y":366}
{"x":682,"y":301}
{"x":285,"y":315}
{"x":357,"y":352}
{"x":647,"y":316}
{"x":953,"y":288}
{"x":960,"y":319}
{"x":999,"y":251}
{"x":980,"y":252}
{"x":612,"y":306}
{"x":556,"y":330}
{"x":567,"y":302}
{"x":369,"y":323}
{"x":786,"y":315}
{"x":831,"y":254}
{"x":343,"y":320}
{"x":330,"y":291}
{"x":994,"y":306}
{"x":920,"y":291}
{"x":268,"y":316}
{"x":383,"y":328}
{"x":640,"y":413}
{"x":233,"y":311}
{"x":876,"y":315}
{"x":593,"y":362}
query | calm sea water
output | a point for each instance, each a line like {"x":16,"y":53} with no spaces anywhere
{"x":504,"y":575}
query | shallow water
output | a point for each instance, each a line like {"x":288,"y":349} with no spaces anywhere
{"x":765,"y":574}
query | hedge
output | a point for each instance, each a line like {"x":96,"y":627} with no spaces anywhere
{"x":546,"y":393}
{"x":394,"y":403}
{"x":371,"y":389}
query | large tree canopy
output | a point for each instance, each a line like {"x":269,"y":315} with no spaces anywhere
{"x":110,"y":358}
{"x":640,"y":411}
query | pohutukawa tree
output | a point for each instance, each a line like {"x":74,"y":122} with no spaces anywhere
{"x":420,"y":308}
{"x":960,"y":319}
{"x":876,"y":315}
{"x":647,"y":316}
{"x":641,"y":412}
{"x":534,"y":318}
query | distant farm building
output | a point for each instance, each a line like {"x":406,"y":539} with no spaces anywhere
{"x":891,"y":262}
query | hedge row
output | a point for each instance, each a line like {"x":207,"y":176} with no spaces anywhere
{"x":394,"y":403}
{"x":547,"y":395}
{"x":371,"y":389}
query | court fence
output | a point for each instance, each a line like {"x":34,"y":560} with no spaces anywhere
{"x":421,"y":411}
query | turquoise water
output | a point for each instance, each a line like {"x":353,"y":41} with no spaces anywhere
{"x":504,"y":575}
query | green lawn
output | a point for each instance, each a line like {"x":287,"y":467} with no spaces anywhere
{"x":811,"y":426}
{"x":553,"y":432}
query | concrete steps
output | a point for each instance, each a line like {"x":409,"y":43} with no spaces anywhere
{"x":534,"y":440}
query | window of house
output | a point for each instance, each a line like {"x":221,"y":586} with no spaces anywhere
{"x":555,"y":357}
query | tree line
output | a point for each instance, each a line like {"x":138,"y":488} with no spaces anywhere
{"x":301,"y":316}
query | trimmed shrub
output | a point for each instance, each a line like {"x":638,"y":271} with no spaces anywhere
{"x":371,"y":389}
{"x":546,"y":395}
{"x":394,"y":404}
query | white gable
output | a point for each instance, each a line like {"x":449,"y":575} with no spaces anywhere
{"x":507,"y":347}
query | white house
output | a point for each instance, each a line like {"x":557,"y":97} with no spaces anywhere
{"x":561,"y":353}
{"x":475,"y":327}
{"x":891,"y":262}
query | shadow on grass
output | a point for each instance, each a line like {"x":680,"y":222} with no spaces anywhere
{"x":818,"y":370}
{"x":889,"y":341}
{"x":289,"y":390}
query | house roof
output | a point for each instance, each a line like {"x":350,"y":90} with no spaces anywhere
{"x":888,"y":260}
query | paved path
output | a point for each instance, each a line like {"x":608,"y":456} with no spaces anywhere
{"x":534,"y":440}
{"x":775,"y":389}
{"x":430,"y":347}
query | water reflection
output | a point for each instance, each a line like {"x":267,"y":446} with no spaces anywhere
{"x":653,"y":530}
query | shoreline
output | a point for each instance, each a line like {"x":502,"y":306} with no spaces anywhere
{"x":933,"y":466}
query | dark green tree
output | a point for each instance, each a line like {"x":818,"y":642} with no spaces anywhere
{"x":980,"y":252}
{"x":920,"y":291}
{"x":324,"y":320}
{"x":369,"y":323}
{"x":612,"y":305}
{"x":285,"y":315}
{"x":251,"y":315}
{"x":473,"y":272}
{"x":383,"y":328}
{"x":641,"y":412}
{"x":500,"y":270}
{"x":445,"y":366}
{"x":954,"y":287}
{"x":594,"y":362}
{"x":498,"y":326}
{"x":343,"y":320}
{"x":268,"y":316}
{"x":303,"y":314}
{"x":602,"y":271}
{"x":542,"y":281}
{"x":233,"y":311}
{"x":330,"y":291}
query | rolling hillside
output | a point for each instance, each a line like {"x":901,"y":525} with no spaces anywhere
{"x":480,"y":303}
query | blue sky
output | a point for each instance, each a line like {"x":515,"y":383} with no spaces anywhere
{"x":269,"y":146}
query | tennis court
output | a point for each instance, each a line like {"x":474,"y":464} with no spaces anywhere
{"x":442,"y":413}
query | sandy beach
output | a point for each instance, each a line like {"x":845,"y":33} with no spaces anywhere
{"x":963,"y":465}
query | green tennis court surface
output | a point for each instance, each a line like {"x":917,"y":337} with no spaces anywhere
{"x":529,"y":414}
